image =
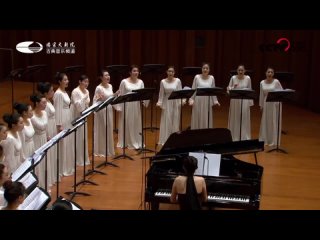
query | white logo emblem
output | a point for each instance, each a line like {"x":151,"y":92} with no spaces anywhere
{"x":29,"y":47}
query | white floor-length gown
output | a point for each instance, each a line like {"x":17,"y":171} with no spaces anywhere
{"x":61,"y":102}
{"x":40,"y":138}
{"x":133,"y":117}
{"x":28,"y":144}
{"x":199,"y":118}
{"x":170,"y":114}
{"x":79,"y":103}
{"x":52,"y":131}
{"x":269,"y":121}
{"x":235,"y":110}
{"x":100,"y":124}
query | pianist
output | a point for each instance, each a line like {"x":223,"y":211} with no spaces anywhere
{"x":189,"y":190}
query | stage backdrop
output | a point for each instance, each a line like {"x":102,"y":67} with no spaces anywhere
{"x":296,"y":52}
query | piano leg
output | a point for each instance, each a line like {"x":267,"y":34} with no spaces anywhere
{"x":255,"y":158}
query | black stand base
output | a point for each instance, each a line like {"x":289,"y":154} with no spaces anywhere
{"x":105,"y":163}
{"x":142,"y":150}
{"x":86,"y":182}
{"x":92,"y":171}
{"x":73,"y":194}
{"x":123,"y":156}
{"x":277,"y":149}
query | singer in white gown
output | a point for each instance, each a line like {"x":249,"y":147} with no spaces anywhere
{"x":80,"y":101}
{"x":40,"y":123}
{"x":170,"y":114}
{"x":47,"y":90}
{"x":270,"y":110}
{"x":103,"y":92}
{"x":240,"y":81}
{"x":12,"y":146}
{"x":133,"y":113}
{"x":199,"y":118}
{"x":61,"y":102}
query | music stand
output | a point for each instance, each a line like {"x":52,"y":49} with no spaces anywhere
{"x":286,"y":79}
{"x":144,"y":94}
{"x":34,"y":69}
{"x":191,"y":71}
{"x":56,"y":140}
{"x":74,"y":193}
{"x":279,"y":96}
{"x":181,"y":94}
{"x":72,"y":69}
{"x":155,"y":70}
{"x":129,"y":97}
{"x":242,"y":94}
{"x":75,"y":122}
{"x":105,"y":105}
{"x":120,"y":70}
{"x":14,"y":74}
{"x":213,"y":91}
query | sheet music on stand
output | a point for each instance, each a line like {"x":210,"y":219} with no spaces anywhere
{"x":59,"y":135}
{"x":91,"y":108}
{"x":29,"y":181}
{"x":38,"y":199}
{"x":38,"y":157}
{"x":22,"y":169}
{"x":208,"y":163}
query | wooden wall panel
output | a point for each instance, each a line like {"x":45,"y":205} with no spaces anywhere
{"x":224,"y":49}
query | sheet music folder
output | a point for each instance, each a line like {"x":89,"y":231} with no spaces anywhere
{"x":208,"y":164}
{"x":280,"y":95}
{"x":180,"y":94}
{"x":242,"y":94}
{"x":38,"y":199}
{"x":213,"y":91}
{"x":105,"y":103}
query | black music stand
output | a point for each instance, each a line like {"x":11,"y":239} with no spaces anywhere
{"x":155,"y":70}
{"x":14,"y":74}
{"x":34,"y":69}
{"x":129,"y":97}
{"x":120,"y":70}
{"x":56,"y":140}
{"x":279,"y":96}
{"x":214,"y":91}
{"x":144,"y":94}
{"x":242,"y":94}
{"x":105,"y":105}
{"x":79,"y":121}
{"x":181,"y":94}
{"x":93,"y":108}
{"x":74,"y":193}
{"x":286,"y":79}
{"x":71,"y":70}
{"x":191,"y":71}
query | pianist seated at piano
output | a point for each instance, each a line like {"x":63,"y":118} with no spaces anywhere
{"x":189,"y":190}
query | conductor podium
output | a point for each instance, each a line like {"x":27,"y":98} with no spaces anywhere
{"x":242,"y":94}
{"x":209,"y":92}
{"x":279,"y":96}
{"x":181,"y":94}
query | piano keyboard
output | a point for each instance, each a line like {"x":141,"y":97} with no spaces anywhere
{"x":212,"y":197}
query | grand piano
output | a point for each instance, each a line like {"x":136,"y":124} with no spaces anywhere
{"x":238,"y":185}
